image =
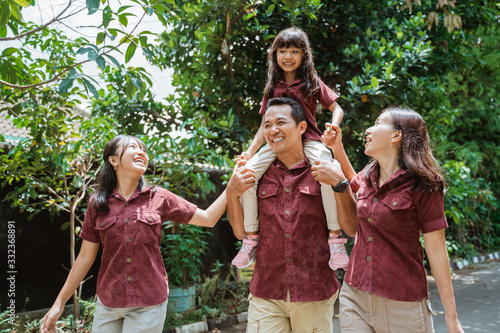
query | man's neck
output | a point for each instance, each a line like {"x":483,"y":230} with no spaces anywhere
{"x":292,"y":159}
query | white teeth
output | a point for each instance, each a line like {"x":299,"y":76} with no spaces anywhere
{"x":278,"y":140}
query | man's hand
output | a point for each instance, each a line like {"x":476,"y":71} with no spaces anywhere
{"x":328,"y":172}
{"x":242,"y":180}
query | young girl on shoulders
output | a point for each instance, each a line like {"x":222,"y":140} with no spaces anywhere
{"x":292,"y":74}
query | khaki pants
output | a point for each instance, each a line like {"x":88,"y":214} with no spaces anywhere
{"x":361,"y":311}
{"x":276,"y":316}
{"x":260,"y":162}
{"x":138,"y":319}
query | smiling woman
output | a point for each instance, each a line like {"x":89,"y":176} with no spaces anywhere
{"x":125,"y":217}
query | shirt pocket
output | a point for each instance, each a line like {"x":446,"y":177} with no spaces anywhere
{"x":149,"y":227}
{"x":267,"y":198}
{"x":108,"y":230}
{"x":400,"y":211}
{"x":310,"y":194}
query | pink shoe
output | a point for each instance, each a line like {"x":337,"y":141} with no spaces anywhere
{"x":246,"y":255}
{"x":338,"y":254}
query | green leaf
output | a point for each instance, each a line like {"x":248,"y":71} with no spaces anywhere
{"x":270,"y":10}
{"x":22,"y":3}
{"x":101,"y":62}
{"x":65,"y":85}
{"x":130,"y":51}
{"x":8,"y":51}
{"x":4,"y":17}
{"x":100,"y":38}
{"x":113,"y":60}
{"x":374,"y":81}
{"x":93,"y":6}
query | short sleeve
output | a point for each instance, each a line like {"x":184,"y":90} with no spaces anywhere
{"x":177,"y":209}
{"x":327,"y":96}
{"x":263,"y":106}
{"x":430,"y":212}
{"x":356,"y":182}
{"x":89,"y":233}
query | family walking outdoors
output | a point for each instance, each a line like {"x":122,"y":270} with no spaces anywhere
{"x":288,"y":201}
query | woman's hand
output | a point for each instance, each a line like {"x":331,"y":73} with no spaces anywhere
{"x":332,"y":136}
{"x":327,"y":172}
{"x":242,"y":180}
{"x":50,"y":319}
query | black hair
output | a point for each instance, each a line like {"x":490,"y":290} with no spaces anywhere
{"x":298,"y":114}
{"x":106,"y":180}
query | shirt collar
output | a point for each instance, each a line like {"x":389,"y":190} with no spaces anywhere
{"x":400,"y":173}
{"x":282,"y":82}
{"x":134,"y":195}
{"x":304,"y":164}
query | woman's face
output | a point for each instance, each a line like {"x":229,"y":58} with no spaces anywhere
{"x":134,"y":159}
{"x":379,"y":138}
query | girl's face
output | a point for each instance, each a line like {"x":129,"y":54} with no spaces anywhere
{"x":134,"y":159}
{"x":379,"y":138}
{"x":289,"y":58}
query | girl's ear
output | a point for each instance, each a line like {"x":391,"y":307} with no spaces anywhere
{"x":112,"y":161}
{"x":397,"y":136}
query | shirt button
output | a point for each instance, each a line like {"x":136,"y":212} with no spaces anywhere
{"x":368,"y":258}
{"x":129,"y":279}
{"x":370,"y":219}
{"x":263,"y":192}
{"x":288,"y":259}
{"x":287,"y":236}
{"x":305,"y":99}
{"x":370,"y":238}
{"x":127,"y":240}
{"x":289,"y":88}
{"x":150,"y":219}
{"x":287,"y":212}
{"x":289,"y":172}
{"x":126,"y":203}
{"x":287,"y":190}
{"x":127,"y":220}
{"x":394,"y":203}
{"x":374,"y":199}
{"x":102,"y":224}
{"x":129,"y":260}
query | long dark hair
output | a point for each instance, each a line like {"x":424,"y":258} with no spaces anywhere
{"x":415,"y":154}
{"x":296,"y":37}
{"x":106,"y":180}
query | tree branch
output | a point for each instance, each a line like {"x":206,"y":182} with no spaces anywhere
{"x":55,"y":19}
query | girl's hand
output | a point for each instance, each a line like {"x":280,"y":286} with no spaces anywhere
{"x":50,"y":320}
{"x":332,"y":136}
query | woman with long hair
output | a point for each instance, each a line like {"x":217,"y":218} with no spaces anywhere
{"x":125,"y":216}
{"x":400,"y":196}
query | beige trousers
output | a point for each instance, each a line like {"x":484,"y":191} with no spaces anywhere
{"x":276,"y":316}
{"x":139,"y":319}
{"x":260,"y":162}
{"x":361,"y":311}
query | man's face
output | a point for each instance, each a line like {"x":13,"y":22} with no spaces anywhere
{"x":281,"y":132}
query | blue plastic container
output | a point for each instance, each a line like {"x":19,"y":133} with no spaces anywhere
{"x":181,"y":299}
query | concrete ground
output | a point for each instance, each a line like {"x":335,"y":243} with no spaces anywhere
{"x":477,"y":294}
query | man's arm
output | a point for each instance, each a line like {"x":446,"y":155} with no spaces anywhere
{"x":242,"y":180}
{"x":331,"y":173}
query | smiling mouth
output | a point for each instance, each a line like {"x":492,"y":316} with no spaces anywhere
{"x":278,"y":140}
{"x":140,"y":160}
{"x":288,"y":63}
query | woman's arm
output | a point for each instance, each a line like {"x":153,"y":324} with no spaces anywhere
{"x":83,"y":262}
{"x":210,"y":216}
{"x":435,"y":247}
{"x":332,"y":138}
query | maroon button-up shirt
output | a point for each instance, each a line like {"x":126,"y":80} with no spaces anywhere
{"x":293,"y":249}
{"x":324,"y":95}
{"x":132,"y":272}
{"x":387,"y":257}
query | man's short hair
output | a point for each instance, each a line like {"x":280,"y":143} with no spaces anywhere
{"x":297,"y":111}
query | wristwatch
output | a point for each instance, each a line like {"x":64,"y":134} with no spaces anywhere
{"x":341,"y":187}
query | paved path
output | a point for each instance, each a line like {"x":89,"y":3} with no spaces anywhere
{"x":477,"y":293}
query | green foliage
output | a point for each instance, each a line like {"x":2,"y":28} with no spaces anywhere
{"x":182,"y":248}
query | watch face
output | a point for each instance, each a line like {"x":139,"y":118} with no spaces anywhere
{"x":342,"y":186}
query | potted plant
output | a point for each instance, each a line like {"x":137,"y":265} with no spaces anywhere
{"x":182,"y":248}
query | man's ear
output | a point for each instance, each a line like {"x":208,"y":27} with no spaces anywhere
{"x":397,"y":136}
{"x":302,"y":126}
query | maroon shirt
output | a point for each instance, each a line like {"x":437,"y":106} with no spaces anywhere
{"x":387,"y":257}
{"x":293,"y":239}
{"x":132,"y":272}
{"x":324,"y":95}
